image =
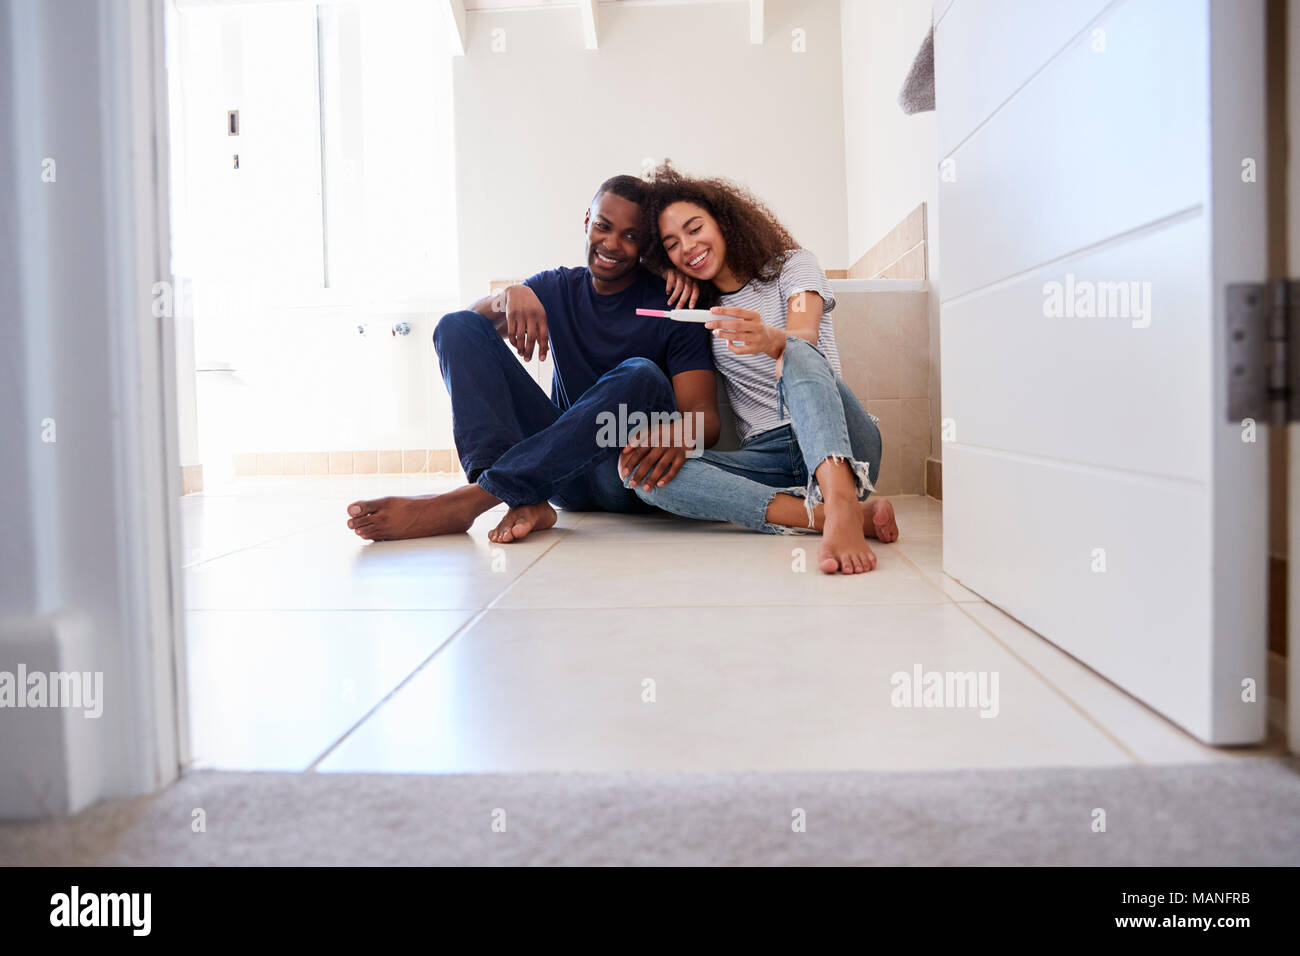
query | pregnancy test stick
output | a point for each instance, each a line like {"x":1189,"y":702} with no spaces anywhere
{"x":682,"y":315}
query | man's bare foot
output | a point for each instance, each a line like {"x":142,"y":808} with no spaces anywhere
{"x":522,"y":521}
{"x":844,"y":546}
{"x":387,"y":519}
{"x":878,"y":520}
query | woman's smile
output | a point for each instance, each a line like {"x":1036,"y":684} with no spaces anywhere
{"x":699,"y":261}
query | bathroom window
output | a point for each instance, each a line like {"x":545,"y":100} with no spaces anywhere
{"x":344,"y":192}
{"x":387,"y":162}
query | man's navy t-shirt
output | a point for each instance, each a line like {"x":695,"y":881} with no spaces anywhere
{"x":591,"y":334}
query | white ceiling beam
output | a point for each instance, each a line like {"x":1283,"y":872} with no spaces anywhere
{"x":756,"y":21}
{"x":453,"y":13}
{"x":587,"y":9}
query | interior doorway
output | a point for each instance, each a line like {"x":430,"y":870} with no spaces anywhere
{"x":313,"y":239}
{"x":313,"y":222}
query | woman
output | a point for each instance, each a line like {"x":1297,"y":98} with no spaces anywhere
{"x":809,"y":451}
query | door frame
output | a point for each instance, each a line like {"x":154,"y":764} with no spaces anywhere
{"x":136,"y":99}
{"x":102,"y":593}
{"x":1291,"y":180}
{"x":133,"y":100}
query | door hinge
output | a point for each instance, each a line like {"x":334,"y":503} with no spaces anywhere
{"x":1263,"y":349}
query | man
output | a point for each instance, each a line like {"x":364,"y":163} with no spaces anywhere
{"x":520,"y":447}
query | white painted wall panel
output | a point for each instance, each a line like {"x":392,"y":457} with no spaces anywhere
{"x":1022,"y":533}
{"x":1077,"y":434}
{"x":994,"y":47}
{"x":1096,"y":145}
{"x":1094,"y":390}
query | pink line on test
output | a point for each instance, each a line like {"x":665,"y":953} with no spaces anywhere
{"x":659,"y":312}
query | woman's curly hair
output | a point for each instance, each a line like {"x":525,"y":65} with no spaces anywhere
{"x":756,"y":240}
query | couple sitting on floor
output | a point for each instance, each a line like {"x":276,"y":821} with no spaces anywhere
{"x":809,"y":451}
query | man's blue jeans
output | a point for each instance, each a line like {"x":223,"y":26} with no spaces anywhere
{"x":516,"y":443}
{"x":826,"y":421}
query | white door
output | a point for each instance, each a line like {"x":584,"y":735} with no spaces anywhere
{"x":1095,"y":200}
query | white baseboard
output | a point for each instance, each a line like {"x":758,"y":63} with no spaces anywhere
{"x":51,"y":755}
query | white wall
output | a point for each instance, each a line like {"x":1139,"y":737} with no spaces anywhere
{"x":890,"y":163}
{"x":890,"y":157}
{"x":541,"y":123}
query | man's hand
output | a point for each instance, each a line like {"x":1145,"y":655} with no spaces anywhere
{"x":654,"y":455}
{"x":683,"y":292}
{"x":526,"y":322}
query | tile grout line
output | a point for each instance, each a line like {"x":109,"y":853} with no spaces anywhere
{"x":236,"y":497}
{"x":711,"y":607}
{"x":465,"y":626}
{"x":566,"y":607}
{"x":1070,"y":701}
{"x":555,"y":544}
{"x":314,"y":525}
{"x":249,"y":547}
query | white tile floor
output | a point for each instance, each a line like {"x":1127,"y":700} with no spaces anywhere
{"x":309,"y":649}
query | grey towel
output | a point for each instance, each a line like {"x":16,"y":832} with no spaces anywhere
{"x":917,"y":94}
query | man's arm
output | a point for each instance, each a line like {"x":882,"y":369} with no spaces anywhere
{"x":518,"y":316}
{"x":653,"y":457}
{"x":697,"y":392}
{"x":493,"y":308}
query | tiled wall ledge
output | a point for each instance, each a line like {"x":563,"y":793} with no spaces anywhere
{"x":884,"y":343}
{"x":901,"y":254}
{"x":934,"y":477}
{"x":883,"y":340}
{"x":191,"y":479}
{"x":405,"y":462}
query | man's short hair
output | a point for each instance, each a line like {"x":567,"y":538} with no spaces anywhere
{"x":625,"y":187}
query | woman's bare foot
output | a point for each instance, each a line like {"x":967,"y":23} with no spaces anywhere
{"x":522,"y":521}
{"x":844,"y":546}
{"x":388,"y":519}
{"x":877,"y":516}
{"x":878,"y":520}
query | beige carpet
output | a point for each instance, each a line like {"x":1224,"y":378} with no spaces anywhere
{"x":1235,"y":812}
